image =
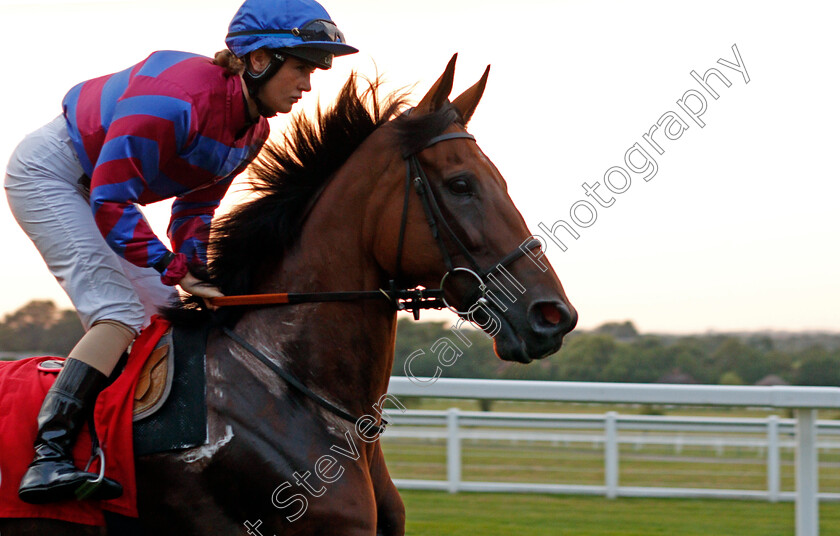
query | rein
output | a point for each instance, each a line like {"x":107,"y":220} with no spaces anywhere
{"x":403,"y":299}
{"x":423,"y":298}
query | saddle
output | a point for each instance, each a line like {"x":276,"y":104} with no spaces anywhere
{"x":155,"y":382}
{"x":169,"y":407}
{"x":169,"y":404}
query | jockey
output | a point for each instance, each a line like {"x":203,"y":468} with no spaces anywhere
{"x":176,"y":125}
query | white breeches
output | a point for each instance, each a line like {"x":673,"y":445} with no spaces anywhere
{"x":53,"y":209}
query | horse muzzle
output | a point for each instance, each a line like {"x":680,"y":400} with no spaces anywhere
{"x":531,"y":331}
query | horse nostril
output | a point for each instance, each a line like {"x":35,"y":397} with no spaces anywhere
{"x":552,"y":318}
{"x":551,"y":313}
{"x":549,"y":316}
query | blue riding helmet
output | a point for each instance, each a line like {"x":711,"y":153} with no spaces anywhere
{"x":301,"y":28}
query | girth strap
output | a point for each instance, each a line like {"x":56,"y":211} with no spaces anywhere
{"x":294,"y":382}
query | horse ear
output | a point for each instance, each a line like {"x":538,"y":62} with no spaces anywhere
{"x":437,"y":95}
{"x":468,"y":100}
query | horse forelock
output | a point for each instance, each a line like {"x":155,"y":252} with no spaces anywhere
{"x":415,"y":132}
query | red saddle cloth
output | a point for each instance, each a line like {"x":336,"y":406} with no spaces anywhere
{"x":22,"y":390}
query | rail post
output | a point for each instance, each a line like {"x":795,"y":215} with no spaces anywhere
{"x":453,"y":451}
{"x":807,"y":483}
{"x":611,"y":454}
{"x":773,"y":459}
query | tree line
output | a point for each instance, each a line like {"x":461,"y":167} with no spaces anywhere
{"x":614,"y":352}
{"x":40,"y":328}
{"x":617,"y":352}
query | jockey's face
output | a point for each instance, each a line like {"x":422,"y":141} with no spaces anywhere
{"x":280,"y":93}
{"x":287,"y":86}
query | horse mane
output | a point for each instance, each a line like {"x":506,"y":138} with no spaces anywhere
{"x":288,"y":177}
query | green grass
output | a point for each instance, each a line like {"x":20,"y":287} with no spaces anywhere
{"x":582,"y":463}
{"x":486,"y":514}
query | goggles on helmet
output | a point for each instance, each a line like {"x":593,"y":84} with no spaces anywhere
{"x":318,"y":30}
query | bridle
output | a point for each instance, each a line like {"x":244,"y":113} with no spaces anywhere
{"x":437,"y":222}
{"x":403,"y":299}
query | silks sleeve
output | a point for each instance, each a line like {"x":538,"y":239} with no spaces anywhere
{"x":189,"y":227}
{"x":146,"y":131}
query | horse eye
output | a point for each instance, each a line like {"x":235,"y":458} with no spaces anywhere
{"x":459,"y":186}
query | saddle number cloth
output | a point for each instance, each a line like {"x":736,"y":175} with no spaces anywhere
{"x":23,"y":385}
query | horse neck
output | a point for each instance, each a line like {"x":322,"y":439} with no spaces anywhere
{"x":343,"y":351}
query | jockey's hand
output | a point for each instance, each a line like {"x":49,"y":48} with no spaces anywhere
{"x":195,"y":286}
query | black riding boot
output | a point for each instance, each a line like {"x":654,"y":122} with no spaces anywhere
{"x":51,"y":476}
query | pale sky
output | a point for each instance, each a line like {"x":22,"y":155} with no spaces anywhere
{"x":737,"y":230}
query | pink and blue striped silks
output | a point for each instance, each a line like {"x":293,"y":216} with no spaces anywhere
{"x":174,"y":125}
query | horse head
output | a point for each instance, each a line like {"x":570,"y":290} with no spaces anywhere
{"x":444,"y":219}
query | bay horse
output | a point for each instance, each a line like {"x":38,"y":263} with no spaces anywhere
{"x":336,"y":211}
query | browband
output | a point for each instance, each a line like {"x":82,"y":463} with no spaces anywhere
{"x":450,"y":136}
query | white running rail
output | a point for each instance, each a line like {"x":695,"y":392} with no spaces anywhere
{"x":804,"y":400}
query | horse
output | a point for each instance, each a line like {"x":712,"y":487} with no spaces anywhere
{"x":364,"y":211}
